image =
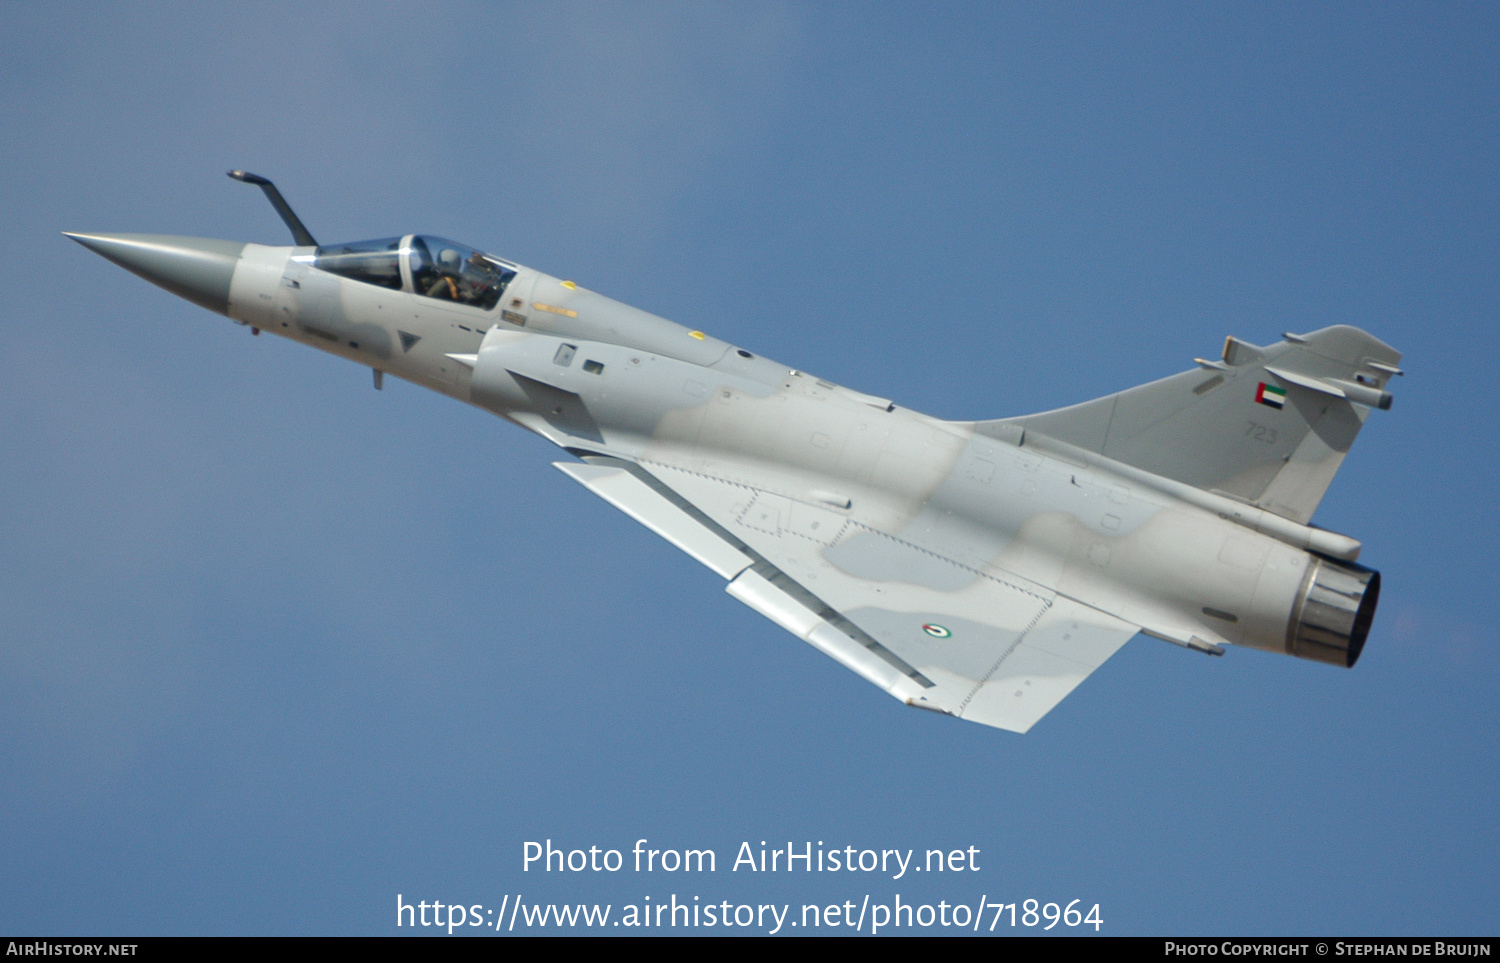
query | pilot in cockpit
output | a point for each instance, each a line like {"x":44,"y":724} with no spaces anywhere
{"x":457,"y":273}
{"x":445,"y":285}
{"x":457,"y":281}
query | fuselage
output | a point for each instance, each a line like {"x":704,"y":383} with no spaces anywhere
{"x":598,"y":376}
{"x":890,"y":494}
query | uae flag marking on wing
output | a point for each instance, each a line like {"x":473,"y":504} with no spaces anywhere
{"x":1270,"y":395}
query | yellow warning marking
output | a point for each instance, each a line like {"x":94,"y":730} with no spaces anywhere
{"x":569,"y":285}
{"x":696,"y":334}
{"x":553,"y":309}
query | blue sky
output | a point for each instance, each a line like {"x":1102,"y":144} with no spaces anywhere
{"x":277,"y":647}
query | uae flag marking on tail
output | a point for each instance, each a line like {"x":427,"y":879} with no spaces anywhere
{"x":1270,"y":395}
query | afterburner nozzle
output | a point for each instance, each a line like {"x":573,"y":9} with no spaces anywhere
{"x":199,"y":269}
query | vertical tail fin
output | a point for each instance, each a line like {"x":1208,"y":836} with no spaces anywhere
{"x":1269,"y":426}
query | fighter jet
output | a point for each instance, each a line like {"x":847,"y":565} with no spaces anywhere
{"x":980,"y":569}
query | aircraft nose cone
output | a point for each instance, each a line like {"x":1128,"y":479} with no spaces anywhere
{"x":197,"y":268}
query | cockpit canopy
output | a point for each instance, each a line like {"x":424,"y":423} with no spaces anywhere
{"x":421,"y":264}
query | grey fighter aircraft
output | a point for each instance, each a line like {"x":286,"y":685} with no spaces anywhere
{"x":980,"y":569}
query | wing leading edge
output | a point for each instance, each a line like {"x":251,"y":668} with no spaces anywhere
{"x":995,"y":652}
